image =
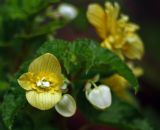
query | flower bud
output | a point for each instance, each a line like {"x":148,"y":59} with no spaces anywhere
{"x":67,"y":11}
{"x":100,"y":96}
{"x":66,"y":106}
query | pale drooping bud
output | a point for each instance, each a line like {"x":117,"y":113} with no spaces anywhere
{"x":66,"y":106}
{"x":99,"y":96}
{"x":67,"y":11}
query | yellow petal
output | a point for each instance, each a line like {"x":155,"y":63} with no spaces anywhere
{"x":45,"y":63}
{"x":97,"y":18}
{"x":119,"y":53}
{"x":106,"y":44}
{"x":138,"y":71}
{"x":126,"y":96}
{"x":112,"y":10}
{"x":116,"y":82}
{"x":43,"y":101}
{"x":134,"y":48}
{"x":119,"y":86}
{"x":25,"y":81}
{"x":131,"y":27}
{"x":112,"y":15}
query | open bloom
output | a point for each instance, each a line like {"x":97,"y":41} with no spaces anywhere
{"x":43,"y":83}
{"x":116,"y":32}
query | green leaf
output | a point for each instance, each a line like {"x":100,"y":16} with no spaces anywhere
{"x":13,"y":100}
{"x":42,"y":30}
{"x":16,"y":9}
{"x":80,"y":60}
{"x":85,"y":57}
{"x":4,"y":86}
{"x":18,"y":20}
{"x":11,"y":104}
{"x":120,"y":115}
{"x":31,"y":6}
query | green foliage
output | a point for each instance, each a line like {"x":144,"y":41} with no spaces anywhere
{"x":120,"y":115}
{"x":86,"y":56}
{"x":80,"y":59}
{"x":13,"y":101}
{"x":10,"y":106}
{"x":25,"y":20}
{"x":17,"y":9}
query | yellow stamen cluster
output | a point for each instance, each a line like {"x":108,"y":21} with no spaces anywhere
{"x":41,"y":82}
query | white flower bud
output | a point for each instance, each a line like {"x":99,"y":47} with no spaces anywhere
{"x":100,"y":96}
{"x":66,"y":106}
{"x":67,"y":11}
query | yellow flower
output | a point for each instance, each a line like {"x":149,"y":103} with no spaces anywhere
{"x":120,"y":85}
{"x":44,"y":84}
{"x":115,"y":30}
{"x":116,"y":82}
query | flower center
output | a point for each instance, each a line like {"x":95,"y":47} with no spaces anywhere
{"x":43,"y":83}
